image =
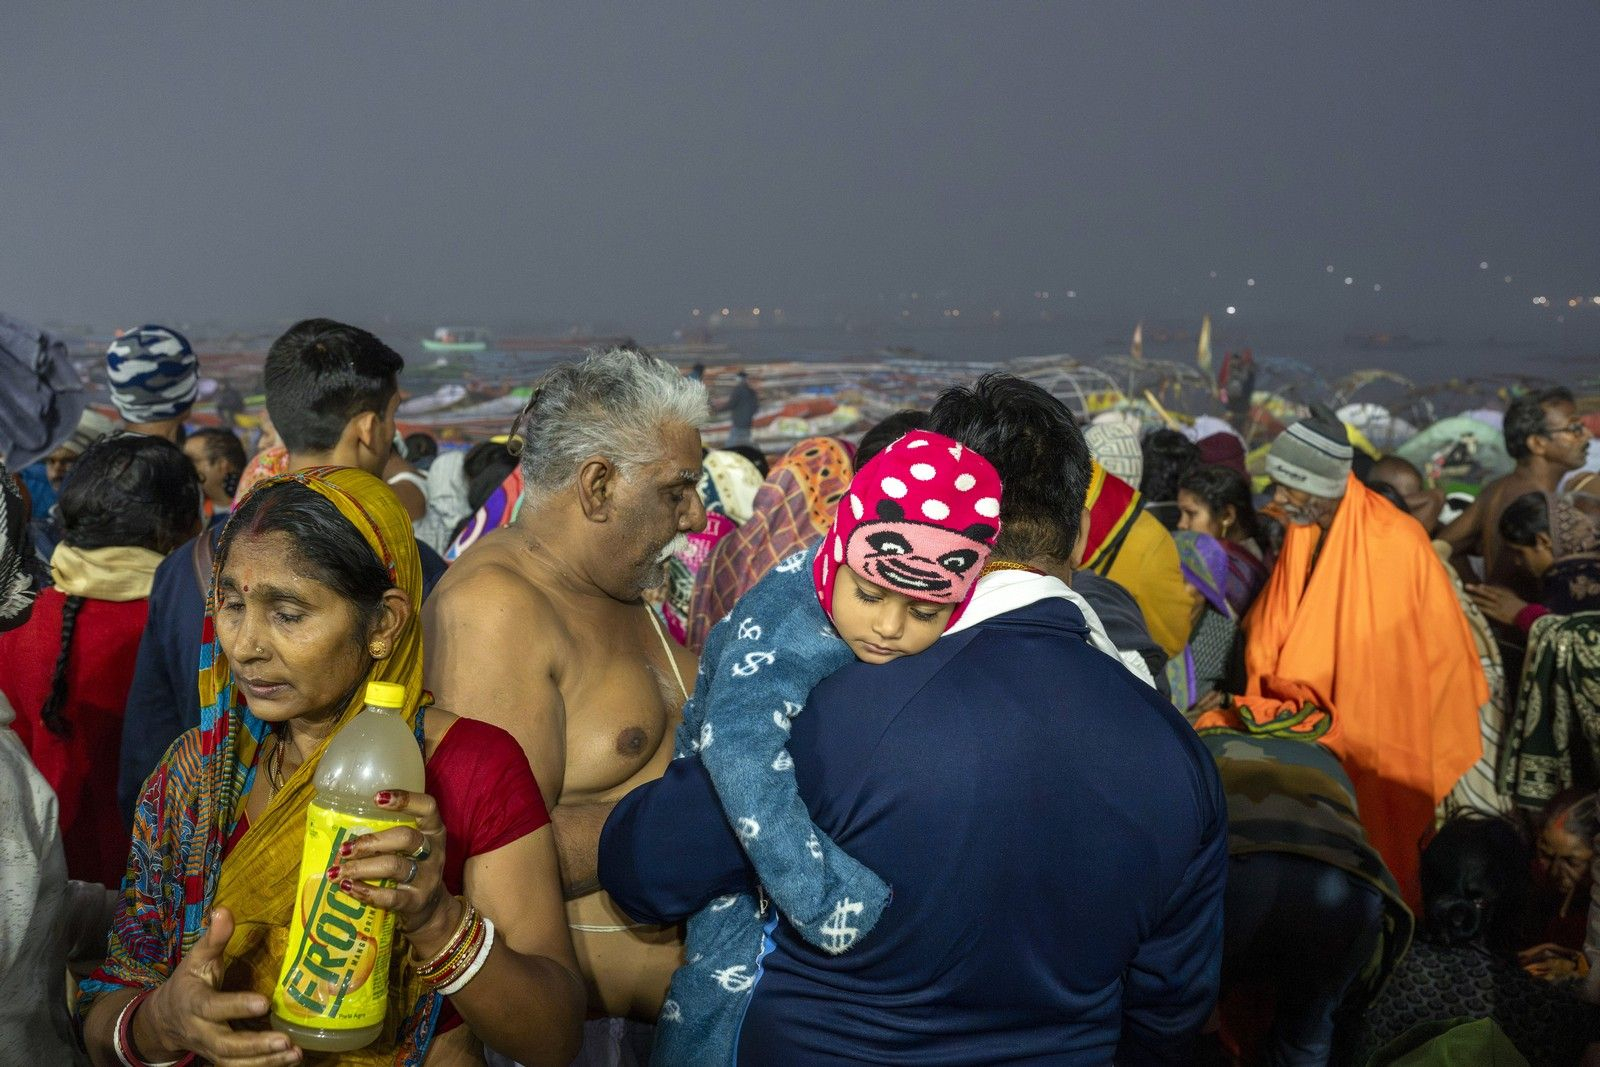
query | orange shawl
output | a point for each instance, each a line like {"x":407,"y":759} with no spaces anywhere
{"x":1376,"y":638}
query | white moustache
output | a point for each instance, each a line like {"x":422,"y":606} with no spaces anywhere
{"x":672,"y":548}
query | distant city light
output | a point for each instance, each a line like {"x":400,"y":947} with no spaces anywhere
{"x":1072,"y":294}
{"x":1377,"y":288}
{"x":1572,"y":303}
{"x":724,"y":312}
{"x":1507,"y":279}
{"x":955,"y":313}
{"x":1483,"y":265}
{"x":755,"y":311}
{"x":1596,"y":299}
{"x":1541,"y":301}
{"x":696,"y":312}
{"x":1213,"y":274}
{"x":1232,"y":309}
{"x":1249,"y":281}
{"x":905,"y":313}
{"x":1349,"y":281}
{"x":916,"y":296}
{"x":1329,"y":268}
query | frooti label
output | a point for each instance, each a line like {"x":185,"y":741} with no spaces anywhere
{"x":336,"y":969}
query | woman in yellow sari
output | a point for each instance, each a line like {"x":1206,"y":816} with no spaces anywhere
{"x":314,"y":594}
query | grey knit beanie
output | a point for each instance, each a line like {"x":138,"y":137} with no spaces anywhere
{"x":1313,"y":455}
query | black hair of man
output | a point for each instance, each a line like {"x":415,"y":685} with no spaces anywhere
{"x":887,"y":432}
{"x":1525,"y":418}
{"x":1475,"y":883}
{"x":1524,"y":519}
{"x":1391,"y":494}
{"x":754,"y":455}
{"x":1168,"y":456}
{"x":222,"y":444}
{"x":321,"y":374}
{"x":1037,"y":449}
{"x":421,"y":447}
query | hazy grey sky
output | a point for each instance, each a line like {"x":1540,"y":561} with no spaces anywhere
{"x":260,"y":161}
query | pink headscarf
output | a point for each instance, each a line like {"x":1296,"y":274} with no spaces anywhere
{"x":920,"y":518}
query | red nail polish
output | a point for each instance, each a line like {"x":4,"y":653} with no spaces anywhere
{"x":345,"y":849}
{"x":333,"y":873}
{"x":385,"y":797}
{"x":348,"y":886}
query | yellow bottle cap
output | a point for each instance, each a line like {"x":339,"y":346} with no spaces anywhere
{"x":386,"y":695}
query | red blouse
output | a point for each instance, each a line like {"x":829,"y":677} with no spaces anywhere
{"x":82,"y":766}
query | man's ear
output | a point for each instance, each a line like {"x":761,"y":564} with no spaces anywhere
{"x":366,"y":427}
{"x":1082,"y":542}
{"x":597,"y":488}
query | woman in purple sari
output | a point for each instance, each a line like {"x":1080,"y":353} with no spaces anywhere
{"x":1216,"y":501}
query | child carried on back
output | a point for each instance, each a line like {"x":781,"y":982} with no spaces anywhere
{"x":909,"y":541}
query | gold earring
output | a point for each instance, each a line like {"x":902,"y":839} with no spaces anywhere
{"x":379,"y":650}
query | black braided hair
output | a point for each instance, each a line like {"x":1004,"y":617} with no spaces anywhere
{"x":54,"y":718}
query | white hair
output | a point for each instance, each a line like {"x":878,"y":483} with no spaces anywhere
{"x":612,"y":404}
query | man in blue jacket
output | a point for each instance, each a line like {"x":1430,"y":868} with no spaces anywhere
{"x":1053,"y":832}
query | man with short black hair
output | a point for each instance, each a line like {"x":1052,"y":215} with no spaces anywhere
{"x":218,"y":458}
{"x":331,"y":392}
{"x":1547,"y":439}
{"x":1054,"y":832}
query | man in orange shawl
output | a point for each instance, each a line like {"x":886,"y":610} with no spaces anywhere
{"x":1358,"y":641}
{"x":1127,"y":544}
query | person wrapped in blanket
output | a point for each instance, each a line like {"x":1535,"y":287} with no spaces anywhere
{"x":910,"y":538}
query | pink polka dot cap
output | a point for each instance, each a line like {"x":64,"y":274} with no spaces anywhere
{"x":920,"y":518}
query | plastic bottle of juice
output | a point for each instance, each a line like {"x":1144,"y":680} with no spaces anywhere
{"x":333,"y":990}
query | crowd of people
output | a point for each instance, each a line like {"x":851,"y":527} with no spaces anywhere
{"x":989,"y":737}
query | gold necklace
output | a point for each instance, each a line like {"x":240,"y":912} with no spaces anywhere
{"x":275,"y":765}
{"x":1006,"y":565}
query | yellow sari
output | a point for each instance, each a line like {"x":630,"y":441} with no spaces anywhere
{"x":192,"y":803}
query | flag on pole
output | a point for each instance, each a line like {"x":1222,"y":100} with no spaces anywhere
{"x":1202,"y":354}
{"x":1136,"y":350}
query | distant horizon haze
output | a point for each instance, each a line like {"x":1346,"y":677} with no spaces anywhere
{"x":620,"y":165}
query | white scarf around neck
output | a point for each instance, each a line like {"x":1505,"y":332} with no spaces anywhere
{"x":1005,"y":591}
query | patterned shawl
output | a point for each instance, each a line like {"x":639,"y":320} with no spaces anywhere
{"x":1558,"y":709}
{"x":501,"y":509}
{"x":1572,"y":584}
{"x":266,"y":464}
{"x":192,"y":803}
{"x":793,"y":510}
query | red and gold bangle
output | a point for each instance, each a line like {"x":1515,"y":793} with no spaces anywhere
{"x":433,"y":975}
{"x":453,"y":946}
{"x":462,"y":960}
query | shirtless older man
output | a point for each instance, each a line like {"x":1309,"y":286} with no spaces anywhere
{"x":541,"y":629}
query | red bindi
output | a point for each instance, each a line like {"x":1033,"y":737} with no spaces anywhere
{"x":247,"y":587}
